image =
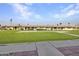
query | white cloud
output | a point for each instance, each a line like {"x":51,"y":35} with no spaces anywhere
{"x":68,"y":8}
{"x":57,"y":16}
{"x":71,"y":10}
{"x":24,"y":12}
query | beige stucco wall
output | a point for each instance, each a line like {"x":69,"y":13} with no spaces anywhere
{"x":68,"y":28}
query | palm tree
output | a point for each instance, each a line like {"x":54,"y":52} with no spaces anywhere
{"x":60,"y":23}
{"x":68,"y":23}
{"x":0,"y":24}
{"x":11,"y":21}
{"x":57,"y":24}
{"x":19,"y":24}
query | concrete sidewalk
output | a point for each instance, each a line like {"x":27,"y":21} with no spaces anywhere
{"x":42,"y":48}
{"x":65,"y":43}
{"x":17,"y":47}
{"x":48,"y":48}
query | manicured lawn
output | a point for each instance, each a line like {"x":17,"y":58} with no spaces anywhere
{"x":19,"y":37}
{"x":74,"y":32}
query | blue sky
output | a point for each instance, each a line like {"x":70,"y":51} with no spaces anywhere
{"x":39,"y":13}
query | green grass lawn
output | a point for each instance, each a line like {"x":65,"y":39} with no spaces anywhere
{"x":74,"y":32}
{"x":16,"y":37}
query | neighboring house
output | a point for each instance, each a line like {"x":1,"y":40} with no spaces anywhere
{"x":30,"y":27}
